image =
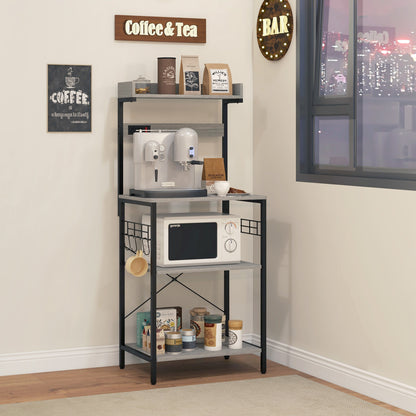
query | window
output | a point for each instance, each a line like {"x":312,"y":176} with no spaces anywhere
{"x":356,"y":92}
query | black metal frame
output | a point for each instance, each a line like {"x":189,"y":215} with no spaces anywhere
{"x":253,"y":227}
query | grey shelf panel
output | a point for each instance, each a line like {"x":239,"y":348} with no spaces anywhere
{"x":200,"y":352}
{"x":203,"y":129}
{"x":209,"y":198}
{"x":243,"y":265}
{"x":125,"y":93}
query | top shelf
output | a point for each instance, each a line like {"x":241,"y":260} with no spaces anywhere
{"x":125,"y":94}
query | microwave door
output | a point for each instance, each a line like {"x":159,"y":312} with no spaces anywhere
{"x":193,"y":241}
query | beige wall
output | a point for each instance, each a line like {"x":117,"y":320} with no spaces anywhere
{"x":341,"y":262}
{"x":59,"y":238}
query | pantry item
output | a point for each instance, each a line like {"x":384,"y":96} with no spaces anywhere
{"x":173,"y":342}
{"x":188,"y":339}
{"x":189,"y":83}
{"x":213,"y":332}
{"x":217,"y":80}
{"x":197,"y":322}
{"x":137,"y":265}
{"x":235,"y":334}
{"x":213,"y":170}
{"x":166,"y":75}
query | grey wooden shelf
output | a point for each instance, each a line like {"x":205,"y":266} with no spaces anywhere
{"x":200,"y":352}
{"x":125,"y":93}
{"x":243,"y":265}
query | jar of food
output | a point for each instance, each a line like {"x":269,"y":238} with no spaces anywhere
{"x":213,"y":332}
{"x":141,"y":85}
{"x":173,"y":342}
{"x":235,"y":334}
{"x":197,"y":322}
{"x":188,"y":339}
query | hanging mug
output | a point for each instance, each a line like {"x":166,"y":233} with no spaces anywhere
{"x":137,"y":265}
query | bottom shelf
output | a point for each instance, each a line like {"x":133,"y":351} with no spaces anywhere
{"x":198,"y":352}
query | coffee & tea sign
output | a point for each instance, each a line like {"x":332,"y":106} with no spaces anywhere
{"x":160,"y":29}
{"x":69,"y":98}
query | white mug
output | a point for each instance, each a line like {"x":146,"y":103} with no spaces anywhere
{"x":221,"y":187}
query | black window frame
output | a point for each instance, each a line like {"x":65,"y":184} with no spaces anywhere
{"x":307,"y":70}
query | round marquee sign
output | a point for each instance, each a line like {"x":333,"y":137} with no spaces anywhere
{"x":274,"y":28}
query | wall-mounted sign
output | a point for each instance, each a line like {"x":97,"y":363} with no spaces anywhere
{"x":160,"y":29}
{"x":274,"y":28}
{"x":69,"y":98}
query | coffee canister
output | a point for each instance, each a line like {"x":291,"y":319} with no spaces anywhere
{"x":188,"y":339}
{"x":213,"y":332}
{"x":235,"y":334}
{"x":173,"y":342}
{"x":166,"y":75}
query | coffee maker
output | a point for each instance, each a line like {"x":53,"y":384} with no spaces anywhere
{"x":164,"y":164}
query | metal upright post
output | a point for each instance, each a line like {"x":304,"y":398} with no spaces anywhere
{"x":153,"y":300}
{"x":121,"y":209}
{"x":263,"y":291}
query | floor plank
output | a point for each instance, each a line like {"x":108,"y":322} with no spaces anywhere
{"x":86,"y":382}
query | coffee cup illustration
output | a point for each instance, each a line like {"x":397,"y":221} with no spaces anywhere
{"x":137,"y":265}
{"x":71,"y":81}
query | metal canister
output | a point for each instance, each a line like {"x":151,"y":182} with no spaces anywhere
{"x":166,"y":75}
{"x":197,"y":322}
{"x":188,"y":339}
{"x":173,"y":342}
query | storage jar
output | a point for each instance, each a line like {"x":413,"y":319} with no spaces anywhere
{"x":188,"y":339}
{"x":235,"y":334}
{"x":173,"y":342}
{"x":197,"y":322}
{"x":213,"y":332}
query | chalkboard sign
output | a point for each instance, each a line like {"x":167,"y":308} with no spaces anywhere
{"x":69,"y":98}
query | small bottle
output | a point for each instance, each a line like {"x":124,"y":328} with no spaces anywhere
{"x":188,"y":339}
{"x":235,"y":334}
{"x":213,"y":332}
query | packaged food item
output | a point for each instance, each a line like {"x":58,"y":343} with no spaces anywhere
{"x":197,"y":322}
{"x":166,"y":75}
{"x":235,"y":334}
{"x":167,"y":318}
{"x":189,"y":81}
{"x":173,"y":342}
{"x":188,"y":339}
{"x":217,"y":80}
{"x":213,"y":332}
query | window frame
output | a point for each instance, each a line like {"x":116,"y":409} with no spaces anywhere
{"x":307,"y":107}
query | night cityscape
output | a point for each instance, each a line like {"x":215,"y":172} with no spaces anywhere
{"x":386,"y":65}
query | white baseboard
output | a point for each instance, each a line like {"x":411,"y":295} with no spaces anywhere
{"x":369,"y":384}
{"x":63,"y":359}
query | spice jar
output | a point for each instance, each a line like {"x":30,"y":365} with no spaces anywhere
{"x":173,"y":342}
{"x":213,"y":332}
{"x":235,"y":334}
{"x":197,"y":322}
{"x":188,"y":339}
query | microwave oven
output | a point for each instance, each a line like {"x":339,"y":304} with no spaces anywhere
{"x":196,"y":239}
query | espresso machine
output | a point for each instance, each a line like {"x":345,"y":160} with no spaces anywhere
{"x":164,"y":164}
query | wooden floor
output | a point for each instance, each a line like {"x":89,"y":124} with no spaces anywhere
{"x":61,"y":384}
